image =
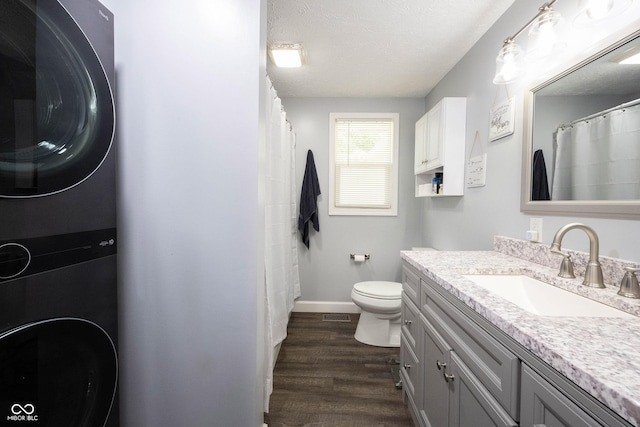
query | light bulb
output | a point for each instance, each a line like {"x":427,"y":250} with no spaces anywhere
{"x":508,"y":63}
{"x":598,"y":9}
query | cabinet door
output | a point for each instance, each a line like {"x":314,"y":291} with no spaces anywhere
{"x":434,"y":408}
{"x":420,"y":158}
{"x":434,"y":149}
{"x":542,"y":405}
{"x":471,"y":403}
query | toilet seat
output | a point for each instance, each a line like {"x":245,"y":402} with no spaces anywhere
{"x":379,"y":290}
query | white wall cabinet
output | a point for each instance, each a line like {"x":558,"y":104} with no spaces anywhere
{"x":440,"y":147}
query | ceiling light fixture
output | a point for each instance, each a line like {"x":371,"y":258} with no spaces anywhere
{"x":287,"y":55}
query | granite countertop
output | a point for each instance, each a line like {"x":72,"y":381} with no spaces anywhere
{"x":601,"y":355}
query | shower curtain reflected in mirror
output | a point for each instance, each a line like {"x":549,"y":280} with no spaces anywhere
{"x":598,"y":158}
{"x":282,"y":282}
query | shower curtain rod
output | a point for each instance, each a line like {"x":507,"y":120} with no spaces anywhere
{"x":602,"y":113}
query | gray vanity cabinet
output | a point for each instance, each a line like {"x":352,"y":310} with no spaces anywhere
{"x":544,"y":405}
{"x":453,"y":373}
{"x":410,"y":342}
{"x":452,"y":394}
{"x":460,"y":370}
{"x":496,"y":368}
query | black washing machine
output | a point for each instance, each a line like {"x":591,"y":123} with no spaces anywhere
{"x":57,"y":120}
{"x":58,"y":293}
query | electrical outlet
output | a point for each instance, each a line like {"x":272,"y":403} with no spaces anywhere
{"x":535,"y":224}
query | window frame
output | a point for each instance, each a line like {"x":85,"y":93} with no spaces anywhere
{"x":394,"y":178}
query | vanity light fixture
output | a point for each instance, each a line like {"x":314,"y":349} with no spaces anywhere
{"x":593,"y":11}
{"x":287,"y":55}
{"x":510,"y":58}
{"x":543,"y":40}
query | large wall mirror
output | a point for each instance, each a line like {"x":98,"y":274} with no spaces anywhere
{"x":581,"y":153}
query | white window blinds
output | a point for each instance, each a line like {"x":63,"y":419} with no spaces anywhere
{"x":364,"y":164}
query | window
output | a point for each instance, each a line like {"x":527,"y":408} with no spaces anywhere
{"x":363,"y":164}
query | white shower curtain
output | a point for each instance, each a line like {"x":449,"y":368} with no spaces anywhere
{"x":599,"y":158}
{"x":282,"y":282}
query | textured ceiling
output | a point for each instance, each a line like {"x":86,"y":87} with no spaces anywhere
{"x":375,"y":48}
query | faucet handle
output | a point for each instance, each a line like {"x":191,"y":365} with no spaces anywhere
{"x":566,"y":267}
{"x":629,"y":286}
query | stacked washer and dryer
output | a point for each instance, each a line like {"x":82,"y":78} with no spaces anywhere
{"x":58,"y":297}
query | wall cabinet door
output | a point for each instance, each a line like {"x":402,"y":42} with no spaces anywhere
{"x":543,"y":405}
{"x":420,"y":158}
{"x":429,"y":141}
{"x":434,"y":153}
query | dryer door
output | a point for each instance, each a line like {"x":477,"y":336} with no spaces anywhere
{"x":56,"y":106}
{"x":57,"y":373}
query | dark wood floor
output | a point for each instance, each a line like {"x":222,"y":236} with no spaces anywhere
{"x":324,"y":377}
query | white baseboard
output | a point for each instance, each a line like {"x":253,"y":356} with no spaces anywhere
{"x":325,"y":307}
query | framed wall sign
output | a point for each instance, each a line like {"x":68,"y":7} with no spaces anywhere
{"x":502,"y":119}
{"x":477,"y":171}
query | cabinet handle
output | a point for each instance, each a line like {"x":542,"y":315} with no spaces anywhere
{"x":448,"y":377}
{"x":440,"y":365}
{"x":408,"y":322}
{"x":424,"y":161}
{"x":407,"y":366}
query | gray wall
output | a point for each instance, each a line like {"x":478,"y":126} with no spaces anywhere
{"x":189,"y":207}
{"x":471,"y":222}
{"x":326,"y":271}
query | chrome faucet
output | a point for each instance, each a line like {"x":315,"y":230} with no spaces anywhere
{"x":593,"y":273}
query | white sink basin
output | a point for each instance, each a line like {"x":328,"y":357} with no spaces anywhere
{"x":542,"y":298}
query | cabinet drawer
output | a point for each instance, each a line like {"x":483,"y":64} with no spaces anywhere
{"x":410,"y":370}
{"x":411,"y":285}
{"x":410,"y":324}
{"x":495,"y":366}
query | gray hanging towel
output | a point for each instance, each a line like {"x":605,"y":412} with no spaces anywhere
{"x":309,"y":200}
{"x":540,"y":188}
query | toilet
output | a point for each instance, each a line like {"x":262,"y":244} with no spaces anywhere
{"x":380,"y":304}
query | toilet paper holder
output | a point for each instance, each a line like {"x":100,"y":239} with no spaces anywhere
{"x":353,"y":256}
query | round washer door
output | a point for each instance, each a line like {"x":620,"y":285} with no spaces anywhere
{"x":56,"y":106}
{"x":57,"y":373}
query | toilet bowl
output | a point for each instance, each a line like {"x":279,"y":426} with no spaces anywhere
{"x":380,"y":304}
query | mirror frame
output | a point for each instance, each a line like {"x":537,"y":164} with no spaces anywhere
{"x":600,"y":208}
